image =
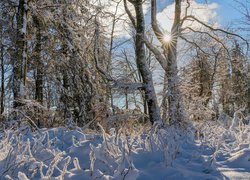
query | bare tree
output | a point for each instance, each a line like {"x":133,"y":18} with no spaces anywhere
{"x":167,"y":56}
{"x":153,"y":108}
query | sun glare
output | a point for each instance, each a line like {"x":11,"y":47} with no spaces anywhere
{"x":167,"y":38}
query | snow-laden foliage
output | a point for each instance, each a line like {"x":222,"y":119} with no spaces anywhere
{"x":62,"y":153}
{"x":202,"y":150}
{"x":223,"y":138}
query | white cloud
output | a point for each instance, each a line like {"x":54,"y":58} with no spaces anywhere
{"x":204,"y":12}
{"x":122,"y":25}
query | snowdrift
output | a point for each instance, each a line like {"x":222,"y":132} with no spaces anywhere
{"x":158,"y":153}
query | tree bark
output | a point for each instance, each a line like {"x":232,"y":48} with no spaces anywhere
{"x":174,"y":96}
{"x":248,"y":91}
{"x":2,"y":75}
{"x":39,"y":63}
{"x":150,"y":95}
{"x":164,"y":104}
{"x":170,"y":63}
{"x":20,"y":58}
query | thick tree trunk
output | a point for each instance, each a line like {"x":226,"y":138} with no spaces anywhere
{"x":39,"y":70}
{"x":173,"y":92}
{"x":39,"y":64}
{"x":153,"y":108}
{"x":164,"y":104}
{"x":174,"y":95}
{"x":169,"y":63}
{"x":20,"y":58}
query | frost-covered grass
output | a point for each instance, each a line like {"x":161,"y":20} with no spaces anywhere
{"x":226,"y":146}
{"x":156,"y":153}
{"x":71,"y":154}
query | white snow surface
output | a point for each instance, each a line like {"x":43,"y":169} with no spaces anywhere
{"x":202,"y":151}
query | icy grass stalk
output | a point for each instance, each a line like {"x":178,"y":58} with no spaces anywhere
{"x":224,"y":140}
{"x":76,"y":163}
{"x":65,"y":168}
{"x":92,"y":160}
{"x":22,"y":176}
{"x":53,"y":164}
{"x":166,"y":140}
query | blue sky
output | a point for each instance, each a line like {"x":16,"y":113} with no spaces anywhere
{"x":227,"y":11}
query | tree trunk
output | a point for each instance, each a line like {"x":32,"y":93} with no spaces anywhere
{"x":20,"y":58}
{"x":169,"y":63}
{"x":153,"y":108}
{"x":248,"y":90}
{"x":164,"y":104}
{"x":173,"y":92}
{"x":39,"y":64}
{"x":2,"y":75}
{"x":126,"y":98}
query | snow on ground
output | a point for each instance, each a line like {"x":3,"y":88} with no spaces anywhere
{"x":213,"y":152}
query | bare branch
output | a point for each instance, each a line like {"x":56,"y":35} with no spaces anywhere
{"x":159,"y":34}
{"x":195,"y":44}
{"x":188,"y":6}
{"x":129,"y":13}
{"x":158,"y":55}
{"x":213,"y":29}
{"x":211,"y":36}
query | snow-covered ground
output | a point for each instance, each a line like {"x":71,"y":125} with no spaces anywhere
{"x":213,"y":152}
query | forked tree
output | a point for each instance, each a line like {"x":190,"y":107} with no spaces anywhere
{"x":167,"y":55}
